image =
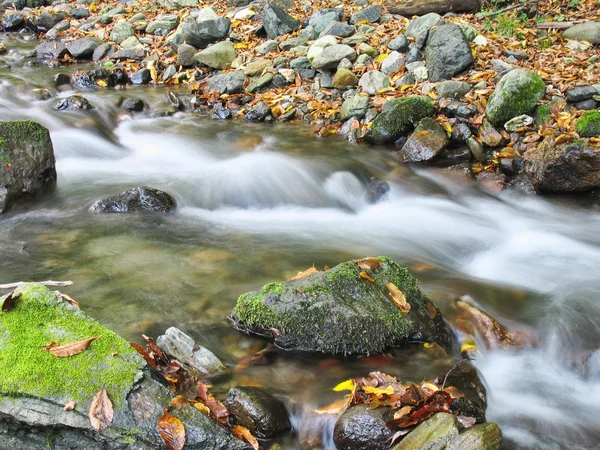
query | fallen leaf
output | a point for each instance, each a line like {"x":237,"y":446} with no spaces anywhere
{"x":9,"y":301}
{"x":306,"y":273}
{"x":70,"y":406}
{"x":347,"y":385}
{"x":366,"y":277}
{"x":389,"y":390}
{"x":172,"y":431}
{"x":179,"y":402}
{"x":397,"y":296}
{"x":202,"y":408}
{"x":333,"y":408}
{"x":245,"y":435}
{"x":405,"y":410}
{"x":101,"y":411}
{"x":431,"y":309}
{"x":68,"y":299}
{"x":71,"y":349}
{"x":368,"y":263}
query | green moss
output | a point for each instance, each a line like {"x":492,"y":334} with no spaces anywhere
{"x":41,"y":317}
{"x":24,"y":130}
{"x":588,"y":125}
{"x":542,"y":115}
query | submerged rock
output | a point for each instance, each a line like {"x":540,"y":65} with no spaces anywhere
{"x":73,"y":103}
{"x":361,"y":428}
{"x":339,"y":312}
{"x":143,"y":198}
{"x":27,"y":164}
{"x":427,"y":141}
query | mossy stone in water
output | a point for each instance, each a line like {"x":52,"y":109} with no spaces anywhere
{"x":588,"y":125}
{"x":339,"y":312}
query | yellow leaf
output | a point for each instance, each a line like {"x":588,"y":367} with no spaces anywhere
{"x":369,"y":263}
{"x":381,"y":57}
{"x":101,"y":83}
{"x":347,"y":385}
{"x":307,"y":272}
{"x":397,"y":296}
{"x":467,"y":346}
{"x":202,"y":408}
{"x":378,"y":391}
{"x":447,"y":127}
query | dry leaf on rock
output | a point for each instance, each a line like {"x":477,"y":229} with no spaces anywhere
{"x":9,"y":301}
{"x":245,"y":435}
{"x":172,"y":431}
{"x":368,"y":263}
{"x":364,"y":276}
{"x":68,"y":299}
{"x":304,"y":274}
{"x":101,"y":411}
{"x":397,"y":296}
{"x":71,"y":349}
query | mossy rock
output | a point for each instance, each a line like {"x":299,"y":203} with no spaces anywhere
{"x":340,"y":312}
{"x":398,"y":117}
{"x":35,"y":385}
{"x":588,"y":125}
{"x":517,"y":93}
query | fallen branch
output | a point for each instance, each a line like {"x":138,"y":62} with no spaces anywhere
{"x":557,"y":25}
{"x":422,"y":7}
{"x":502,"y":11}
{"x":45,"y":283}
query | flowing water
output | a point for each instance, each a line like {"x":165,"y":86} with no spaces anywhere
{"x":261,"y":203}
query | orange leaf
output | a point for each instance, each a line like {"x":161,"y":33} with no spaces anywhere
{"x":397,"y":296}
{"x":368,"y":263}
{"x":245,"y":435}
{"x":304,"y":274}
{"x":69,"y":300}
{"x":101,"y":411}
{"x":366,"y":277}
{"x":71,"y":349}
{"x":405,"y":410}
{"x":179,"y":402}
{"x":172,"y":431}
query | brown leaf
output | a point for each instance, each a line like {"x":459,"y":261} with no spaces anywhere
{"x":307,"y":272}
{"x":368,"y":263}
{"x":70,"y":406}
{"x":245,"y":435}
{"x":172,"y":431}
{"x":101,"y":411}
{"x":9,"y":301}
{"x":179,"y":402}
{"x":431,"y":309}
{"x":405,"y":410}
{"x":69,"y":300}
{"x":71,"y":349}
{"x":144,"y":353}
{"x":366,"y":277}
{"x":397,"y":296}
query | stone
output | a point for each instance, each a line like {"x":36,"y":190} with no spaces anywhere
{"x":433,"y":434}
{"x":517,"y":93}
{"x":73,"y":103}
{"x":259,"y":82}
{"x":580,"y":93}
{"x":476,"y":149}
{"x":102,"y":51}
{"x":255,"y":409}
{"x":335,"y":28}
{"x":373,"y":81}
{"x":354,"y":106}
{"x":399,"y":44}
{"x":469,"y":31}
{"x":518,"y":122}
{"x":361,"y":428}
{"x":61,"y":79}
{"x":427,"y":141}
{"x":366,"y":49}
{"x":46,"y":21}
{"x":414,"y":54}
{"x":587,"y":105}
{"x":392,"y":63}
{"x":330,"y":57}
{"x":207,"y":14}
{"x":200,"y":35}
{"x":217,"y":56}
{"x":198,"y":360}
{"x":356,"y":39}
{"x":344,"y":78}
{"x":131,"y":42}
{"x":12,"y":22}
{"x":163,"y":25}
{"x":288,"y":74}
{"x":319,"y":45}
{"x":299,"y":63}
{"x":257,"y":67}
{"x":588,"y":125}
{"x":459,"y":109}
{"x":407,"y":79}
{"x":27,"y":163}
{"x":587,"y":31}
{"x":185,"y":55}
{"x":121,"y":31}
{"x":133,"y":104}
{"x":259,"y":113}
{"x":51,"y":50}
{"x":521,"y":184}
{"x":335,"y":312}
{"x":369,"y":14}
{"x":83,"y":48}
{"x":169,"y":72}
{"x":453,"y":89}
{"x":489,"y":135}
{"x":136,"y":53}
{"x":419,"y":28}
{"x":319,"y":22}
{"x":227,"y":83}
{"x":277,"y":22}
{"x":480,"y":41}
{"x":139,"y":199}
{"x":448,"y":52}
{"x":376,"y":190}
{"x":486,"y":436}
{"x":141,"y":76}
{"x":267,"y":47}
{"x":345,"y":64}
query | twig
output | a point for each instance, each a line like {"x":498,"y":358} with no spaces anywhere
{"x":502,"y":11}
{"x":556,"y":25}
{"x":446,"y":377}
{"x":45,"y":283}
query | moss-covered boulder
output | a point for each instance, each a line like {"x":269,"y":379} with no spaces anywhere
{"x":398,"y":117}
{"x":27,"y":165}
{"x":340,"y":311}
{"x":35,"y":385}
{"x":517,"y":93}
{"x":588,"y":125}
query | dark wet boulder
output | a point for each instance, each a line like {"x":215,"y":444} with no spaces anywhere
{"x":376,"y":189}
{"x":264,"y":415}
{"x":83,"y":48}
{"x":27,"y":164}
{"x":14,"y":4}
{"x":447,"y":53}
{"x":62,"y":79}
{"x":139,"y":199}
{"x":361,"y":428}
{"x":339,"y":312}
{"x":51,"y":50}
{"x":427,"y":141}
{"x":133,"y":104}
{"x":398,"y":117}
{"x":35,"y":389}
{"x":73,"y":103}
{"x":12,"y":22}
{"x":466,"y":379}
{"x":277,"y":22}
{"x":259,"y":113}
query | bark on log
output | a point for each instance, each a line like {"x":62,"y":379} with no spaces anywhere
{"x":421,"y":7}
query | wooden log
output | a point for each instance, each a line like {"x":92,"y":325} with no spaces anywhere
{"x":421,"y":7}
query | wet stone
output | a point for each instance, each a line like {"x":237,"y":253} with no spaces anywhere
{"x":73,"y":103}
{"x":133,"y":104}
{"x":139,"y":199}
{"x":361,"y":428}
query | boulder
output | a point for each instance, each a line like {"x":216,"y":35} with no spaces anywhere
{"x":338,"y":312}
{"x":35,"y":385}
{"x":83,"y":48}
{"x":419,"y":28}
{"x":369,"y":14}
{"x":392,"y":63}
{"x":427,"y":141}
{"x":331,"y":56}
{"x":588,"y":125}
{"x":344,"y":78}
{"x":185,"y":55}
{"x":448,"y":52}
{"x":121,"y":31}
{"x":581,"y":93}
{"x":399,"y":43}
{"x":27,"y":164}
{"x":142,"y":76}
{"x":135,"y":53}
{"x":139,"y":199}
{"x":258,"y":411}
{"x":453,"y":89}
{"x":517,"y":93}
{"x":51,"y":50}
{"x":217,"y":56}
{"x":433,"y":434}
{"x":133,"y":104}
{"x":200,"y":35}
{"x":571,"y":167}
{"x":373,"y":81}
{"x":587,"y":31}
{"x":227,"y":83}
{"x":362,"y":428}
{"x":398,"y":118}
{"x":354,"y":106}
{"x":486,"y":436}
{"x":277,"y":22}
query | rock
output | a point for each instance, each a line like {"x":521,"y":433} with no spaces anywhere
{"x":489,"y":135}
{"x":200,"y":35}
{"x":83,"y":48}
{"x":373,"y":81}
{"x":133,"y":104}
{"x":51,"y":50}
{"x":419,"y":28}
{"x":399,"y":43}
{"x":366,"y":49}
{"x":217,"y":56}
{"x":427,"y":141}
{"x":329,"y":312}
{"x":392,"y":63}
{"x":331,"y":56}
{"x":260,"y":412}
{"x":354,"y":106}
{"x":361,"y":428}
{"x":227,"y":83}
{"x":521,"y":184}
{"x":587,"y":31}
{"x":518,"y":122}
{"x":460,"y":132}
{"x":257,"y":67}
{"x":12,"y":22}
{"x":433,"y":434}
{"x":586,"y":105}
{"x":131,"y":42}
{"x":206,"y":14}
{"x":486,"y":436}
{"x":47,"y":20}
{"x":459,"y":109}
{"x":145,"y":199}
{"x":260,"y":82}
{"x":14,"y":4}
{"x":476,"y":149}
{"x":73,"y":103}
{"x":142,"y":76}
{"x":319,"y":45}
{"x":277,"y":22}
{"x":453,"y":89}
{"x":267,"y":47}
{"x":469,"y":32}
{"x":580,"y":93}
{"x":136,"y":53}
{"x":198,"y":360}
{"x":588,"y":125}
{"x":259,"y":113}
{"x":501,"y":67}
{"x":61,"y":79}
{"x":36,"y":402}
{"x":517,"y":93}
{"x":480,"y":41}
{"x":319,"y":22}
{"x":121,"y":31}
{"x":102,"y":51}
{"x":299,"y":63}
{"x":341,"y":29}
{"x":448,"y":52}
{"x":399,"y":118}
{"x":376,"y":190}
{"x":407,"y":79}
{"x":163,"y":24}
{"x":27,"y":164}
{"x":185,"y":55}
{"x":369,"y":14}
{"x":414,"y":54}
{"x":344,"y":78}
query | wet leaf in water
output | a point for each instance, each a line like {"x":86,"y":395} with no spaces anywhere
{"x":101,"y":411}
{"x":306,"y":273}
{"x":398,"y":297}
{"x":172,"y":431}
{"x":245,"y":435}
{"x":70,"y":349}
{"x":333,"y":408}
{"x":364,"y":276}
{"x":369,"y":263}
{"x":347,"y":385}
{"x":9,"y":301}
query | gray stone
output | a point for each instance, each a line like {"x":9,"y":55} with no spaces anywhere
{"x":259,"y":113}
{"x":266,"y":47}
{"x":142,"y":76}
{"x":399,"y":44}
{"x":419,"y":28}
{"x":135,"y":53}
{"x":217,"y":56}
{"x":414,"y":54}
{"x":447,"y":53}
{"x":433,"y":434}
{"x":299,"y":63}
{"x":369,"y":14}
{"x":587,"y":31}
{"x":453,"y":89}
{"x":207,"y":14}
{"x":200,"y":35}
{"x":139,"y":199}
{"x":277,"y":22}
{"x":469,"y":32}
{"x":163,"y":25}
{"x":83,"y":48}
{"x":291,"y":43}
{"x":373,"y":81}
{"x":185,"y":55}
{"x":392,"y":63}
{"x":332,"y":55}
{"x":259,"y":82}
{"x":341,"y":29}
{"x":363,"y":428}
{"x":518,"y":122}
{"x":257,"y":67}
{"x":407,"y":79}
{"x":133,"y":104}
{"x":354,"y":106}
{"x":73,"y":103}
{"x":427,"y":141}
{"x":476,"y":149}
{"x":321,"y":21}
{"x":121,"y":31}
{"x":366,"y":49}
{"x":51,"y":50}
{"x":102,"y":51}
{"x":580,"y":93}
{"x":169,"y":73}
{"x":131,"y":42}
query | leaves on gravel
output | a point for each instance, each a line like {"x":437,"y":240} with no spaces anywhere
{"x":101,"y":411}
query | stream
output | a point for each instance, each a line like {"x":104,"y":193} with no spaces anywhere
{"x":260,"y":203}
